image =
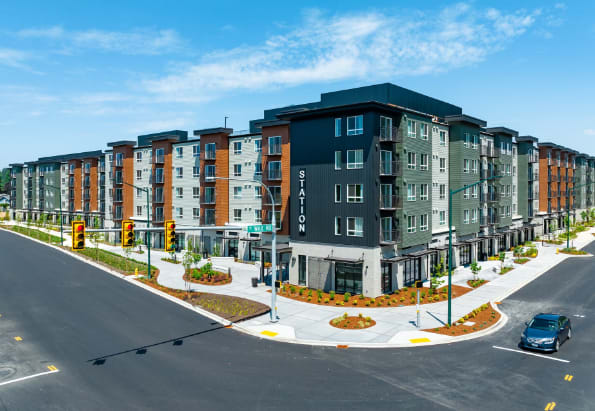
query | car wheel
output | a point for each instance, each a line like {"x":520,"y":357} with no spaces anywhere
{"x":557,"y":345}
{"x":569,"y":333}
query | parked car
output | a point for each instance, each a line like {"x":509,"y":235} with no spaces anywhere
{"x":546,"y":332}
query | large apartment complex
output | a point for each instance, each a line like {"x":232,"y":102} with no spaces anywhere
{"x":359,"y":183}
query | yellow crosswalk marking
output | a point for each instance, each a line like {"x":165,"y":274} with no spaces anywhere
{"x":269,"y":333}
{"x":52,"y":368}
{"x":568,"y":377}
{"x":419,"y":340}
{"x":17,"y":338}
{"x":550,"y":406}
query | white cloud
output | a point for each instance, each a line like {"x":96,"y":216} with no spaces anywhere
{"x":97,"y":98}
{"x":13,"y":58}
{"x":368,"y":46}
{"x":134,"y":42}
{"x":589,"y":132}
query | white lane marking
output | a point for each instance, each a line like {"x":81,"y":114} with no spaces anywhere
{"x":28,"y":377}
{"x":530,"y":353}
{"x":579,"y":316}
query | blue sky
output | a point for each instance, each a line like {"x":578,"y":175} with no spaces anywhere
{"x":76,"y":75}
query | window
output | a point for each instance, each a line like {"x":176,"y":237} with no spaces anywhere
{"x":159,"y":155}
{"x":237,"y":193}
{"x":424,"y":162}
{"x":423,"y":222}
{"x":337,"y":225}
{"x":210,"y":151}
{"x":411,"y":161}
{"x":179,"y":212}
{"x":196,"y":150}
{"x":502,"y":212}
{"x":474,"y":215}
{"x":119,"y":161}
{"x":355,"y":226}
{"x":355,"y":159}
{"x":257,"y":146}
{"x":355,"y":125}
{"x":337,"y":160}
{"x":442,"y":217}
{"x":179,"y":192}
{"x":442,"y":138}
{"x":386,"y":128}
{"x":258,"y":215}
{"x":237,"y":147}
{"x":466,"y":194}
{"x":411,"y":223}
{"x":475,"y":142}
{"x":195,"y":192}
{"x":237,"y":170}
{"x":442,"y":191}
{"x":275,"y":145}
{"x":277,"y":218}
{"x":442,"y":165}
{"x":465,"y":166}
{"x":508,"y":211}
{"x":355,"y":193}
{"x":196,"y":213}
{"x":475,"y":192}
{"x":237,"y":214}
{"x":139,"y":156}
{"x":423,"y":192}
{"x":139,"y":174}
{"x":139,"y":210}
{"x":467,"y":140}
{"x":411,"y":128}
{"x":179,"y":172}
{"x":209,"y":172}
{"x":258,"y":169}
{"x":465,"y":216}
{"x":423,"y":130}
{"x":410,"y":192}
{"x":195,"y":172}
{"x":337,"y":127}
{"x":179,"y":152}
{"x":474,"y":165}
{"x":257,"y":192}
{"x":337,"y":193}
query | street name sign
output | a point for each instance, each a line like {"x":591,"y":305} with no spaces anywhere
{"x":260,"y":228}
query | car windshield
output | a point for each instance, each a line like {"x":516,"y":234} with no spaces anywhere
{"x":543,"y":324}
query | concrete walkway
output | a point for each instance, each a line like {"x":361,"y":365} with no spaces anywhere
{"x":395,"y":326}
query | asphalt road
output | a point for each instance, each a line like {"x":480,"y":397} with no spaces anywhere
{"x":118,"y":346}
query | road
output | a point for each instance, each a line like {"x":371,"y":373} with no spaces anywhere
{"x":118,"y":346}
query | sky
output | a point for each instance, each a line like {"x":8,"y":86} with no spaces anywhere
{"x":76,"y":75}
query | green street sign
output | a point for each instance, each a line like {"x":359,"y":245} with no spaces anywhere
{"x":260,"y":228}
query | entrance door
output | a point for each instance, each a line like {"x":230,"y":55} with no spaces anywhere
{"x":411,"y":271}
{"x":301,"y":270}
{"x":232,"y":248}
{"x":348,"y":278}
{"x":387,"y":277}
{"x":482,"y":256}
{"x":465,"y":254}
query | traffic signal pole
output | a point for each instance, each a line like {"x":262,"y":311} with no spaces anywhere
{"x":146,"y":190}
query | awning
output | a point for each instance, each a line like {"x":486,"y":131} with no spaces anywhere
{"x":474,"y":240}
{"x":250,"y":239}
{"x":344,"y":259}
{"x":420,"y":253}
{"x":395,"y":259}
{"x":281,"y":248}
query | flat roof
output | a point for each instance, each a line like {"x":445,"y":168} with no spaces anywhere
{"x":216,"y":130}
{"x":122,"y":143}
{"x":503,"y":130}
{"x":464,"y":118}
{"x":527,"y":138}
{"x":72,"y":156}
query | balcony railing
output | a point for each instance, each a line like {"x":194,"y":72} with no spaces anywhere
{"x":487,"y":150}
{"x":274,"y":175}
{"x":390,"y":168}
{"x":158,"y":218}
{"x":158,"y":198}
{"x":159,"y":159}
{"x":274,"y":150}
{"x":208,"y":219}
{"x":390,"y":134}
{"x":276,"y":199}
{"x":210,"y":154}
{"x":208,"y":199}
{"x":489,"y":220}
{"x":489,"y":197}
{"x":158,"y":179}
{"x":389,"y":236}
{"x":390,"y":202}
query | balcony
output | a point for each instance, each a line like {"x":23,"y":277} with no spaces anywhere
{"x":210,"y":154}
{"x":390,"y":168}
{"x":486,"y":174}
{"x":274,"y":175}
{"x":276,"y":199}
{"x":487,"y":150}
{"x":158,"y":198}
{"x":158,"y":218}
{"x":533,"y":157}
{"x":159,"y":159}
{"x":208,"y":199}
{"x":274,"y":149}
{"x":390,"y":202}
{"x":71,"y":171}
{"x":389,"y":135}
{"x":389,"y":236}
{"x":208,"y":219}
{"x":158,"y":179}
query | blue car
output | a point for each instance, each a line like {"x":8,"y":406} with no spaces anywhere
{"x":545,"y":332}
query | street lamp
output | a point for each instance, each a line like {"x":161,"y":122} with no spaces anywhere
{"x":568,"y":210}
{"x":451,"y":193}
{"x":146,"y":190}
{"x":274,"y":317}
{"x":61,"y":219}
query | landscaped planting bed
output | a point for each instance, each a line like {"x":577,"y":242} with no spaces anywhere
{"x":403,"y":297}
{"x":476,"y":283}
{"x":207,"y":276}
{"x":352,"y":323}
{"x":521,"y":260}
{"x":477,"y":320}
{"x":30,"y":232}
{"x":171,"y":260}
{"x":115,"y":261}
{"x":231,"y":308}
{"x":572,"y":251}
{"x":505,"y":270}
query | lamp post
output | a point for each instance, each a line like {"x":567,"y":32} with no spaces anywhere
{"x":146,"y":190}
{"x":274,"y":317}
{"x":450,"y":194}
{"x":568,"y":210}
{"x":61,"y":219}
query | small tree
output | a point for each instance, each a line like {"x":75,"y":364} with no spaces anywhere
{"x":138,"y":242}
{"x":196,"y":259}
{"x":96,"y":238}
{"x":585,"y":216}
{"x":127,"y":253}
{"x":216,"y":250}
{"x":436,"y":280}
{"x":29,"y":222}
{"x":475,"y":269}
{"x":501,"y":257}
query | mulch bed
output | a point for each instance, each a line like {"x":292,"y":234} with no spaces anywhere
{"x":506,"y":270}
{"x":352,"y":323}
{"x":482,"y":320}
{"x":169,"y":260}
{"x":403,"y":297}
{"x":217,"y":279}
{"x":522,"y":260}
{"x":476,"y":283}
{"x":231,"y":308}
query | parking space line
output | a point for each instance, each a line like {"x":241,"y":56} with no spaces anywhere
{"x":17,"y":338}
{"x":530,"y":353}
{"x":550,"y":406}
{"x":29,"y":377}
{"x":568,"y":377}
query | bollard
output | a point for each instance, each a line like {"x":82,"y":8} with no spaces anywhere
{"x":136,"y":271}
{"x":557,"y":250}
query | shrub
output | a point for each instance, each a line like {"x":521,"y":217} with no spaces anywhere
{"x":373,"y":301}
{"x":413,"y":294}
{"x":354,"y":302}
{"x":401,"y":299}
{"x":360,"y":315}
{"x":405,"y":289}
{"x":319,"y":292}
{"x":346,"y":297}
{"x":379,"y":304}
{"x":301,"y":292}
{"x":412,"y":301}
{"x":319,"y":300}
{"x":436,"y":298}
{"x":309,"y":293}
{"x":332,"y":295}
{"x":342,"y":303}
{"x":345,"y":315}
{"x":423,"y":295}
{"x":326,"y":300}
{"x":388,"y":303}
{"x":361,"y":324}
{"x":368,"y":319}
{"x":292,"y":289}
{"x":337,"y":302}
{"x":309,"y":298}
{"x":367,"y":303}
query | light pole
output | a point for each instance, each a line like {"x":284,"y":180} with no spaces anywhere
{"x":450,"y":194}
{"x":61,"y":219}
{"x":146,"y":190}
{"x":568,"y":209}
{"x":274,"y":317}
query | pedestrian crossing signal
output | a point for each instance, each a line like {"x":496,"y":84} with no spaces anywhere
{"x":127,"y":233}
{"x":170,"y":235}
{"x":78,"y":235}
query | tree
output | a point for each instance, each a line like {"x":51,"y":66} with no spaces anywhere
{"x":138,"y":242}
{"x":593,"y":214}
{"x":584,"y":216}
{"x":96,"y":238}
{"x":29,"y":222}
{"x":43,"y":222}
{"x":436,"y":280}
{"x":475,"y":269}
{"x":501,"y":257}
{"x":187,"y":261}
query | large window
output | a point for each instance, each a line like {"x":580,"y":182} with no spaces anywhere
{"x":237,"y":214}
{"x":179,"y":172}
{"x":337,"y":160}
{"x":257,"y":146}
{"x":210,"y":151}
{"x":410,"y":192}
{"x":348,"y":278}
{"x":423,"y":165}
{"x":467,"y":141}
{"x":237,"y":170}
{"x":411,"y":220}
{"x":423,"y":192}
{"x":258,"y":169}
{"x":386,"y":128}
{"x":257,"y":192}
{"x":465,"y":166}
{"x":179,"y":192}
{"x":423,"y":222}
{"x":442,"y":165}
{"x":237,"y":147}
{"x":411,"y":163}
{"x":442,"y":138}
{"x":209,"y":172}
{"x":337,"y":225}
{"x":423,"y":130}
{"x":355,"y":125}
{"x":442,"y":217}
{"x":355,"y":193}
{"x":337,"y":127}
{"x":195,"y":171}
{"x":196,"y":150}
{"x":465,"y":216}
{"x":442,"y":191}
{"x":411,"y":128}
{"x":355,"y":159}
{"x":179,"y":152}
{"x":237,"y":193}
{"x":275,"y":145}
{"x":139,"y":156}
{"x":355,"y":226}
{"x":274,"y":170}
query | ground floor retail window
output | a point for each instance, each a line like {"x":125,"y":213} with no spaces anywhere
{"x":348,"y":278}
{"x":411,"y":271}
{"x":465,"y":254}
{"x":232,"y":248}
{"x":387,"y":277}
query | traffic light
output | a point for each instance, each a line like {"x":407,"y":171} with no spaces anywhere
{"x":127,"y":233}
{"x":78,"y":235}
{"x":170,"y":235}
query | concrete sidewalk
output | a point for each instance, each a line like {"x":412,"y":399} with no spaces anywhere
{"x":301,"y":322}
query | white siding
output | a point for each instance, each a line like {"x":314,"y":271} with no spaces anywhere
{"x":187,"y":202}
{"x":438,"y":178}
{"x":247,"y":159}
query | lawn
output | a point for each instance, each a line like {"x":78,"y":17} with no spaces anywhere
{"x":40,"y":235}
{"x":115,"y":261}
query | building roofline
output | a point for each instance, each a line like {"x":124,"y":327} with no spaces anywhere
{"x":270,"y":123}
{"x":503,"y":130}
{"x":527,"y":138}
{"x":464,"y":118}
{"x":16,"y":165}
{"x":215,"y":130}
{"x":122,"y":143}
{"x":71,"y":156}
